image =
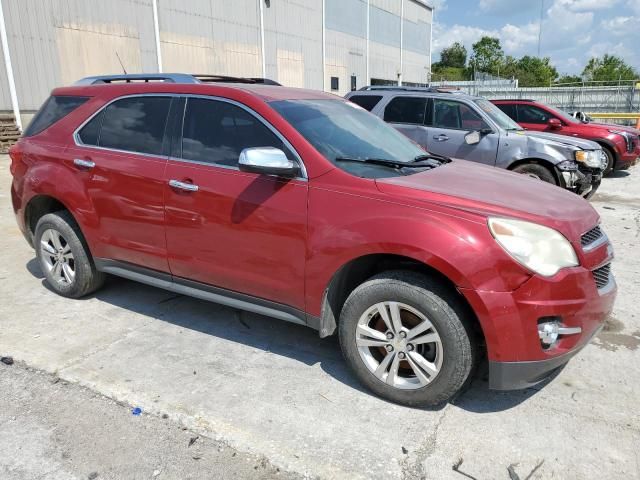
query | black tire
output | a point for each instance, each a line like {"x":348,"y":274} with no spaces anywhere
{"x":611,"y":161}
{"x":537,"y":171}
{"x":446,"y":312}
{"x":86,"y":278}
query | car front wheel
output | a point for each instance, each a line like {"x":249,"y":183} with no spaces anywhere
{"x":407,"y":338}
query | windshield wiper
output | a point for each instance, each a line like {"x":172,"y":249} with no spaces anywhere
{"x":418,"y":162}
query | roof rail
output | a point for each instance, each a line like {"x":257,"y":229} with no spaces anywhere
{"x":441,"y":89}
{"x":513,"y":99}
{"x":169,"y":78}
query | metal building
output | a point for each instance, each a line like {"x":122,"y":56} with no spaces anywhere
{"x":335,"y":45}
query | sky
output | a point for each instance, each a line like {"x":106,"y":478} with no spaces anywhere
{"x":572,"y":30}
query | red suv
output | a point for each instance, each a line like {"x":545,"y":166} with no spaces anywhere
{"x":302,"y":206}
{"x":620,"y":144}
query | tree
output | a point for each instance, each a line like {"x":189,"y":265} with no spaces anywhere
{"x":454,"y":56}
{"x":488,"y":56}
{"x":536,"y":72}
{"x":452,"y":74}
{"x":570,"y":79}
{"x":609,"y":68}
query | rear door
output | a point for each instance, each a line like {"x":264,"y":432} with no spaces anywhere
{"x":449,"y":121}
{"x":406,"y":114}
{"x":240,"y":231}
{"x":121,"y":155}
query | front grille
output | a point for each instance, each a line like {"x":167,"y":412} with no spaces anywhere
{"x":601,"y":275}
{"x":591,"y":236}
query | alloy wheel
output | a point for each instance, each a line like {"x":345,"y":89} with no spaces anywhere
{"x":399,"y":345}
{"x":57,"y":257}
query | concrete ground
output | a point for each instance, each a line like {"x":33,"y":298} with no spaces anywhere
{"x":274,"y":389}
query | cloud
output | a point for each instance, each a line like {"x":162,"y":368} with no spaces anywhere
{"x":620,"y":26}
{"x":439,"y":5}
{"x":634,"y":5}
{"x":586,"y":5}
{"x":508,"y":7}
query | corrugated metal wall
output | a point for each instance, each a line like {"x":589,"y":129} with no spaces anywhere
{"x":55,"y":42}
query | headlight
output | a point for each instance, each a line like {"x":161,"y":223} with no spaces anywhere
{"x":538,"y":248}
{"x":590,"y":158}
{"x":628,"y":139}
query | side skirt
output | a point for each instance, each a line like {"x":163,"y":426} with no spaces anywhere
{"x":206,"y":292}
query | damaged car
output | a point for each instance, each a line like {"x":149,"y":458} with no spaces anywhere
{"x":456,"y":125}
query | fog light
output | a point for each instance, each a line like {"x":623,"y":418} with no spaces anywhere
{"x":548,"y":332}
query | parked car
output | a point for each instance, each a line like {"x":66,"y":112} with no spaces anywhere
{"x":620,"y":144}
{"x":299,"y":205}
{"x":457,"y":125}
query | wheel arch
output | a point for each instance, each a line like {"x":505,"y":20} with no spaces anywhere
{"x":537,"y":161}
{"x":358,"y":270}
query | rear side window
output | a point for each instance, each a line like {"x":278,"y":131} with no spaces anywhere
{"x":509,"y":109}
{"x":366,"y":101}
{"x":134,"y":124}
{"x":531,"y":114}
{"x":406,"y":110}
{"x":216,"y":132}
{"x":456,"y":115}
{"x":55,"y":108}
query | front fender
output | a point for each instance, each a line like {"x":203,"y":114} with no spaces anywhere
{"x":457,"y":244}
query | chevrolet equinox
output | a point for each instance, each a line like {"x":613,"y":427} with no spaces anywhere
{"x":302,"y":206}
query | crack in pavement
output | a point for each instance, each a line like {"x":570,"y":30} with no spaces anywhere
{"x":416,"y":469}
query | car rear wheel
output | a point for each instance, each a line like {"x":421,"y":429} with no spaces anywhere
{"x":64,"y":257}
{"x":537,"y":171}
{"x":407,"y":338}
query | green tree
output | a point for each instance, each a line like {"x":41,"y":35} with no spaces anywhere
{"x":609,"y":68}
{"x":454,"y":56}
{"x":487,"y":56}
{"x":440,"y":73}
{"x":570,"y":79}
{"x":535,"y":72}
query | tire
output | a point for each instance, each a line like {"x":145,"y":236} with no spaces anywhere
{"x":537,"y":171}
{"x":611,"y":161}
{"x":64,"y":257}
{"x":450,"y":362}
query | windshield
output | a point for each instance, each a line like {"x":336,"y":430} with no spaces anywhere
{"x":564,"y":115}
{"x":339,"y":130}
{"x":498,"y":116}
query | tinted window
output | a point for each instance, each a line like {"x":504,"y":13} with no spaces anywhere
{"x":216,"y":132}
{"x":508,"y":109}
{"x":90,"y":133}
{"x":366,"y":101}
{"x":135,"y":124}
{"x":51,"y":111}
{"x":334,"y":83}
{"x":339,"y":129}
{"x":456,"y":115}
{"x":531,"y":114}
{"x":406,"y":110}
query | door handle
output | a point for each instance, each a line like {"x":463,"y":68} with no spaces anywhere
{"x":441,"y":138}
{"x":79,"y":162}
{"x":187,"y":187}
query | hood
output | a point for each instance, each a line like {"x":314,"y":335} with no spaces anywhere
{"x":611,"y":126}
{"x":488,"y":191}
{"x":563,"y":140}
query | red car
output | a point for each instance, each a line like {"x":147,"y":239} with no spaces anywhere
{"x":302,"y":206}
{"x":621,"y":144}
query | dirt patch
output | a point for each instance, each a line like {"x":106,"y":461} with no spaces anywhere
{"x":608,"y":198}
{"x":612,"y":325}
{"x":612,"y":341}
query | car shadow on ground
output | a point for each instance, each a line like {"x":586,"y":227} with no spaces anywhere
{"x":618,"y":174}
{"x":274,"y":336}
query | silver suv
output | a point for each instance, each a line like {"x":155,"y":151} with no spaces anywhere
{"x":457,"y":125}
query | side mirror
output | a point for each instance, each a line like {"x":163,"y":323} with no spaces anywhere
{"x":554,"y":124}
{"x":267,"y":161}
{"x":472,"y":138}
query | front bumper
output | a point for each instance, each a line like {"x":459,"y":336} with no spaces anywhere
{"x":509,"y":323}
{"x":584,"y":181}
{"x":517,"y":375}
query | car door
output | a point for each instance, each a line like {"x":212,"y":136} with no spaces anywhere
{"x":239,"y":231}
{"x":533,"y":118}
{"x":406,"y":114}
{"x":449,"y":121}
{"x":121,"y":155}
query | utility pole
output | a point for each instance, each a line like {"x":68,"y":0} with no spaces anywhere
{"x":540,"y":25}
